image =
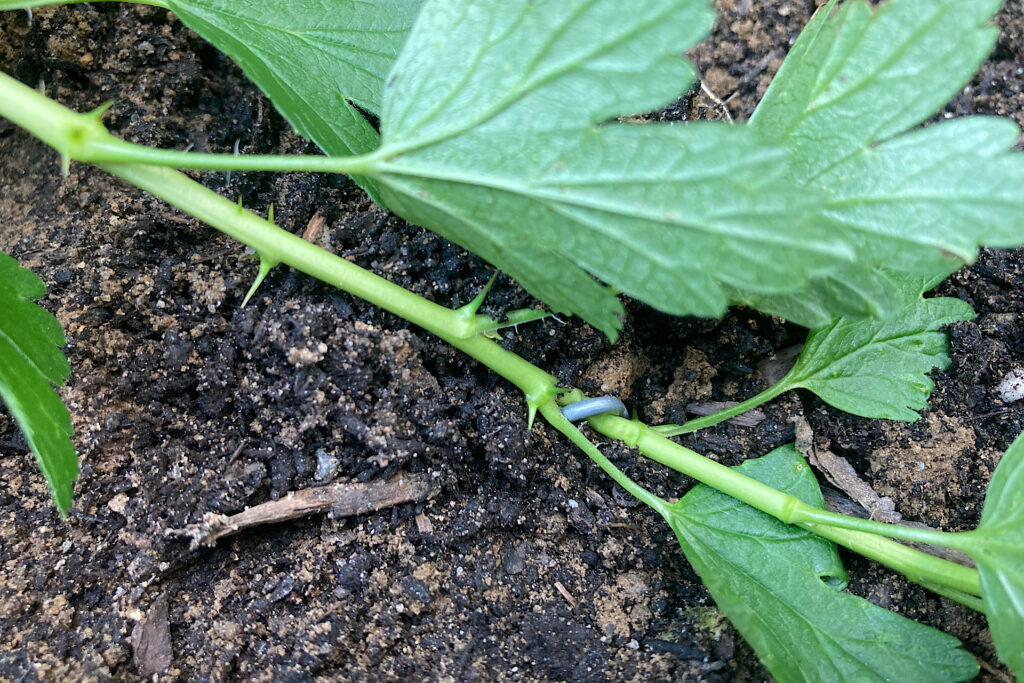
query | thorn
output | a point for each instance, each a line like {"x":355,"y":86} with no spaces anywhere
{"x":41,"y":87}
{"x":227,"y":176}
{"x":65,"y":165}
{"x":270,"y":213}
{"x":240,"y":209}
{"x":265,"y":267}
{"x":188,"y":147}
{"x":99,"y":111}
{"x":531,"y":416}
{"x":473,"y":306}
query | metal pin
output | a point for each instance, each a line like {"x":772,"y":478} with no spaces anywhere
{"x":581,"y":410}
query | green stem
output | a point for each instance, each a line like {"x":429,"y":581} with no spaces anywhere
{"x":812,"y":515}
{"x":69,"y":132}
{"x":102,"y":151}
{"x":554,"y":416}
{"x":966,"y":599}
{"x":946,"y":578}
{"x":917,"y":566}
{"x":723,"y":415}
{"x":276,"y":245}
{"x":83,"y":137}
{"x":486,"y":323}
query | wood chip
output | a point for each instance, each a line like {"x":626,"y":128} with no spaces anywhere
{"x":314,"y":229}
{"x":565,"y":594}
{"x":840,"y":473}
{"x":751,"y":418}
{"x":773,"y":369}
{"x":151,"y":640}
{"x":342,"y":500}
{"x":423,"y":524}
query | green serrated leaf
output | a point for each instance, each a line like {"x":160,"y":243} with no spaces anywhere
{"x":864,"y":75}
{"x":851,"y":290}
{"x":877,"y":367}
{"x":934,"y":195}
{"x":30,"y":363}
{"x":997,"y":546}
{"x":919,"y":202}
{"x":767,"y":577}
{"x":490,"y":138}
{"x":314,"y":59}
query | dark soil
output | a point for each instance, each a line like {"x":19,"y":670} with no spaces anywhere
{"x":185,"y":403}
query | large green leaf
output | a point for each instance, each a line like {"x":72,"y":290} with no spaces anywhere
{"x":490,"y":137}
{"x":997,"y":546}
{"x":919,"y":202}
{"x":876,"y":367}
{"x":767,"y":577}
{"x":30,"y":363}
{"x":315,"y":59}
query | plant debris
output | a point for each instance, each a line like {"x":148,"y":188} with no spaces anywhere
{"x":342,"y":500}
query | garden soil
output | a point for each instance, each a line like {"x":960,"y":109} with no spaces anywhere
{"x":523,"y":562}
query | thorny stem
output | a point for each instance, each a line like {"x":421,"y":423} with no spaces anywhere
{"x":916,"y":565}
{"x":279,"y":245}
{"x":104,"y":150}
{"x":83,"y":137}
{"x":68,"y":131}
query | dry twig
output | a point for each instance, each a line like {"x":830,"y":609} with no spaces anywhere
{"x":342,"y":500}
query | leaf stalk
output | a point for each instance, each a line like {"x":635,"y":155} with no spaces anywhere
{"x":726,"y":414}
{"x":846,"y":531}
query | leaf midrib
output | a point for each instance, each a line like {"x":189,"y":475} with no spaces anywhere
{"x":382,"y":168}
{"x":391,"y":151}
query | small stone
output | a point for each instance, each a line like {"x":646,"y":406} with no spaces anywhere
{"x":117,"y":503}
{"x":511,"y":560}
{"x":582,"y":519}
{"x":326,"y":465}
{"x":1012,"y":387}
